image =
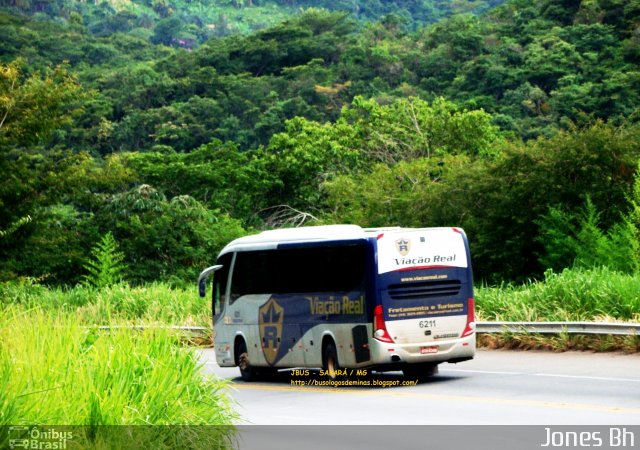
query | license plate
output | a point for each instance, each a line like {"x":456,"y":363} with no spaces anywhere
{"x":429,"y":349}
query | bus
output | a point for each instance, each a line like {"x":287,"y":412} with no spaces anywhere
{"x":343,"y":297}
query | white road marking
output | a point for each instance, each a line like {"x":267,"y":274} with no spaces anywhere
{"x":495,"y":372}
{"x":551,"y":375}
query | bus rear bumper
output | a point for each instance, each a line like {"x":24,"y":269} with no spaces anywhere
{"x":426,"y":352}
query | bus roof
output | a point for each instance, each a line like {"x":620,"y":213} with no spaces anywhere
{"x":272,"y":238}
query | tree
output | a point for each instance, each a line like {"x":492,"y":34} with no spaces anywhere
{"x":216,"y":174}
{"x":306,"y":154}
{"x":578,"y":240}
{"x":165,"y":239}
{"x":513,"y":192}
{"x":412,"y":128}
{"x":414,"y":193}
{"x":32,"y":107}
{"x":167,"y":31}
{"x":106,"y":266}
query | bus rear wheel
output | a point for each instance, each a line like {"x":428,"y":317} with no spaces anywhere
{"x":419,"y":372}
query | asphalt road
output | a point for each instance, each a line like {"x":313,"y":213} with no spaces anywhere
{"x":497,"y":387}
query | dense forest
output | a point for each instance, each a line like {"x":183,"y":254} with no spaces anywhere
{"x":517,"y":121}
{"x":187,"y":24}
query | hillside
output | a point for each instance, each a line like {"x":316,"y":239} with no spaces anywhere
{"x":460,"y":122}
{"x":187,"y":24}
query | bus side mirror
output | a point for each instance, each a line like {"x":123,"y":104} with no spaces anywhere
{"x":202,"y":279}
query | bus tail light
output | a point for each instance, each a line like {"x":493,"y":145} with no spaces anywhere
{"x":471,"y":319}
{"x":379,"y":328}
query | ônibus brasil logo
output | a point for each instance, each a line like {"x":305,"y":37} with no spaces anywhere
{"x":38,"y":438}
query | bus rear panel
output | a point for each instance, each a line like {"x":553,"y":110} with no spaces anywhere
{"x":425,"y":307}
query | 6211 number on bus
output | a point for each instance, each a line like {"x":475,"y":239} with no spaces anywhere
{"x":427,"y":323}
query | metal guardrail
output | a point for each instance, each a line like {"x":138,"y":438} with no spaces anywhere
{"x":145,"y":327}
{"x":602,"y":328}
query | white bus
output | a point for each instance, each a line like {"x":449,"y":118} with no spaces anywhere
{"x":340,"y":296}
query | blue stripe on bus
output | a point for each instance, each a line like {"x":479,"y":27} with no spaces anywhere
{"x":285,"y":318}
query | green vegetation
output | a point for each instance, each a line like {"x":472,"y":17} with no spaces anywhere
{"x":598,"y":294}
{"x":58,"y":367}
{"x":150,"y":304}
{"x":55,"y":371}
{"x":138,"y":138}
{"x":186,"y":24}
{"x":106,"y":267}
{"x":321,"y":118}
{"x":561,"y":342}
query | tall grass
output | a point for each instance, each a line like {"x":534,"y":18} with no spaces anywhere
{"x":155,"y":302}
{"x":572,"y":295}
{"x":54,"y":371}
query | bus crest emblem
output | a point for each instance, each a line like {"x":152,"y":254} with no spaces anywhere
{"x":403,"y":246}
{"x":271,"y":317}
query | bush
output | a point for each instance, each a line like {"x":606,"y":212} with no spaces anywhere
{"x":571,"y":240}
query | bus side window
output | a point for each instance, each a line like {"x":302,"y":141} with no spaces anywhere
{"x":220,"y":279}
{"x":298,"y":270}
{"x":254,"y":272}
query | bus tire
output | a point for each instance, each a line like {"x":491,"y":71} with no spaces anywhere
{"x":419,"y":372}
{"x":267,"y":373}
{"x":247,"y":371}
{"x":330,"y":361}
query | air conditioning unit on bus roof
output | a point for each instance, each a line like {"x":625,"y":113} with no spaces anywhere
{"x":381,"y":229}
{"x":313,"y":232}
